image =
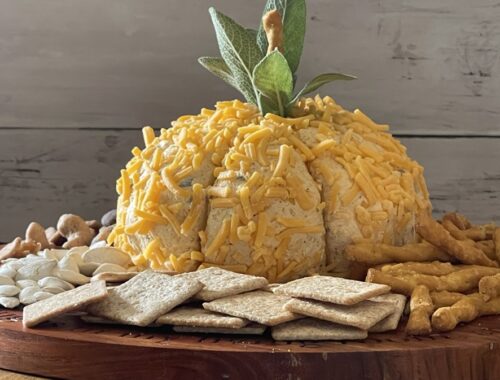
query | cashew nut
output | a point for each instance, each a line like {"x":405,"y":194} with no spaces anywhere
{"x":103,"y":234}
{"x":49,"y":232}
{"x":75,"y":230}
{"x":19,"y":248}
{"x":94,"y":224}
{"x":36,"y":232}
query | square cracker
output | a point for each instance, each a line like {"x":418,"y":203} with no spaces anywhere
{"x":71,"y":300}
{"x":258,"y":306}
{"x":392,"y":320}
{"x":315,"y":329}
{"x":363,"y":315}
{"x":252,"y":329}
{"x":221,"y":283}
{"x":332,"y":289}
{"x":198,"y":317}
{"x":142,"y":299}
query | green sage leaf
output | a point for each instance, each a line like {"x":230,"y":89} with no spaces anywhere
{"x":274,"y":81}
{"x":218,"y":67}
{"x":293,"y":15}
{"x":319,"y":81}
{"x":239,"y":50}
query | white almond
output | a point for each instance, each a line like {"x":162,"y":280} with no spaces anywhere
{"x":55,"y":254}
{"x":53,"y":289}
{"x":55,"y":282}
{"x":9,"y":302}
{"x":7,"y":271}
{"x":78,"y":250}
{"x":39,"y":296}
{"x":74,"y":278}
{"x":9,"y":290}
{"x":36,"y":270}
{"x":88,"y":268}
{"x":106,"y":255}
{"x":21,"y":284}
{"x":27,"y":295}
{"x":107,"y":267}
{"x":4,"y":280}
{"x":69,"y":263}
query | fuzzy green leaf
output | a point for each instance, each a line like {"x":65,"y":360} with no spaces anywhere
{"x":273,"y":78}
{"x":293,"y":15}
{"x":239,"y":50}
{"x":319,"y":81}
{"x":218,"y":67}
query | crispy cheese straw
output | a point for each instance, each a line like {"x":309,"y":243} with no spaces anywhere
{"x":468,"y":308}
{"x":462,"y":280}
{"x":377,"y":253}
{"x":489,"y":287}
{"x":445,"y":298}
{"x":496,"y":240}
{"x":475,"y":233}
{"x":435,"y":268}
{"x":436,"y":234}
{"x":421,"y":308}
{"x":458,"y":220}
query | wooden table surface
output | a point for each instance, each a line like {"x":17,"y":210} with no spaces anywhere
{"x":69,"y":348}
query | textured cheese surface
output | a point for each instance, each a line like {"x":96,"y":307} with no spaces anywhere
{"x":266,"y":195}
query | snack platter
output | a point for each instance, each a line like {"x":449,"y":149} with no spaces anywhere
{"x":70,"y":348}
{"x":281,"y":237}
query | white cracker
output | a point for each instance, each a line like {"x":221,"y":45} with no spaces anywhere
{"x":392,"y":320}
{"x":142,"y":299}
{"x":258,"y":306}
{"x":332,"y":289}
{"x":221,"y":283}
{"x":363,"y":315}
{"x":198,"y":317}
{"x":252,"y":329}
{"x":315,"y":329}
{"x":71,"y":300}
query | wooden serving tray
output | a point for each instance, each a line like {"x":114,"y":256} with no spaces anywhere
{"x":69,"y":348}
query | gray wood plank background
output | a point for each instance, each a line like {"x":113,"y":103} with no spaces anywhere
{"x":78,"y":78}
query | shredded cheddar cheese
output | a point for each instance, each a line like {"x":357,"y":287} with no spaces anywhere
{"x":239,"y":164}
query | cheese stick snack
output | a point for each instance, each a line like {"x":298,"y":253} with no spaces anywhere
{"x":462,"y":280}
{"x":476,"y":233}
{"x":488,"y":247}
{"x":481,"y":232}
{"x":445,"y":298}
{"x":465,"y":310}
{"x":496,"y":240}
{"x":378,"y":253}
{"x":489,"y":287}
{"x":458,"y":220}
{"x":435,"y":268}
{"x":421,"y":308}
{"x":436,"y":234}
{"x":398,"y":285}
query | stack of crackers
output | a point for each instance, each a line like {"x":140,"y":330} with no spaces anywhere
{"x":214,"y":300}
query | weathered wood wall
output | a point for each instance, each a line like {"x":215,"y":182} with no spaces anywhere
{"x":78,"y":78}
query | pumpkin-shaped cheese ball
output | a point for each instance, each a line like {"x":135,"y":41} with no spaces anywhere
{"x":266,"y":195}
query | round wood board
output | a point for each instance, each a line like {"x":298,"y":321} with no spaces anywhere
{"x":69,"y":348}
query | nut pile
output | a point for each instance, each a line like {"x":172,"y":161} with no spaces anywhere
{"x":52,"y":271}
{"x":51,"y":261}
